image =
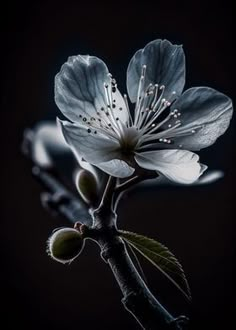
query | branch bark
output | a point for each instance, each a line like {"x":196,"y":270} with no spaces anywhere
{"x":100,"y":225}
{"x":137,"y":298}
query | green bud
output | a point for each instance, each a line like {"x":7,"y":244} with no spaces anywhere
{"x":65,"y":245}
{"x":87,"y":186}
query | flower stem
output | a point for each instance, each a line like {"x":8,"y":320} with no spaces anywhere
{"x":108,"y":193}
{"x":123,"y":187}
{"x":138,"y":299}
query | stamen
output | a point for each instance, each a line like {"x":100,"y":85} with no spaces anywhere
{"x":109,"y":107}
{"x":155,"y":116}
{"x":130,"y":122}
{"x":155,"y":96}
{"x":149,"y":136}
{"x":140,"y":114}
{"x":159,"y":99}
{"x":140,"y":88}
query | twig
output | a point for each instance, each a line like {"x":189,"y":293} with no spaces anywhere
{"x":100,"y":225}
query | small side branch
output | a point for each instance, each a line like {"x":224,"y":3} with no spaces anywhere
{"x":123,"y":187}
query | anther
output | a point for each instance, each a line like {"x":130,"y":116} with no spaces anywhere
{"x":143,"y":70}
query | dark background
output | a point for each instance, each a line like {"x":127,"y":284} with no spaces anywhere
{"x":195,"y":222}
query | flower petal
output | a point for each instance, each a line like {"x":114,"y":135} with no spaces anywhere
{"x":80,"y":91}
{"x":165,"y":65}
{"x":94,"y":148}
{"x":204,"y":110}
{"x":117,"y":168}
{"x":177,"y":165}
{"x":48,"y":145}
{"x":209,"y":177}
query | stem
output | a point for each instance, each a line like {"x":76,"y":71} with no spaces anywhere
{"x":129,"y":183}
{"x":106,"y":201}
{"x":104,"y":216}
{"x":123,"y":187}
{"x":138,"y":299}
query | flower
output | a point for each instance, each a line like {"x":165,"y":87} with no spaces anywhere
{"x":161,"y":130}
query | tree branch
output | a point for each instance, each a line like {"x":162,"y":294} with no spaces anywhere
{"x":137,"y":298}
{"x":100,"y":225}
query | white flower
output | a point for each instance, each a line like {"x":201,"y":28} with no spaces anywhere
{"x":163,"y":126}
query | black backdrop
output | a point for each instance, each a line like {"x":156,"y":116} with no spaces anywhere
{"x":195,"y":223}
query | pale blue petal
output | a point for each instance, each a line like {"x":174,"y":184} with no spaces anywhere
{"x":165,"y":64}
{"x":177,"y":165}
{"x":205,"y":111}
{"x":80,"y":92}
{"x":208,"y":177}
{"x":117,"y":168}
{"x":94,"y":148}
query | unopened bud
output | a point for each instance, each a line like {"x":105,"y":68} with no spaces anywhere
{"x":65,"y":245}
{"x":87,"y":186}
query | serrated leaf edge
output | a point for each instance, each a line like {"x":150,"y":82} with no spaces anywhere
{"x":176,"y":263}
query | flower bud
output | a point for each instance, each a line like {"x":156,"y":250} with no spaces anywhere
{"x":87,"y":186}
{"x":65,"y":245}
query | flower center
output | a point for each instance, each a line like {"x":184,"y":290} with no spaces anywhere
{"x":129,"y":140}
{"x":153,"y":121}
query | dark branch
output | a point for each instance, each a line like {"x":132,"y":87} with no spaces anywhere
{"x":100,"y":225}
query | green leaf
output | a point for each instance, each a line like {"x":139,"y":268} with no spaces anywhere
{"x":160,"y":257}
